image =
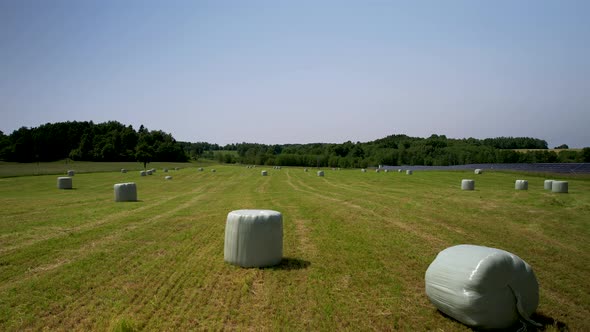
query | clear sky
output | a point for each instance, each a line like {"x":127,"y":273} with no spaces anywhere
{"x":301,"y":71}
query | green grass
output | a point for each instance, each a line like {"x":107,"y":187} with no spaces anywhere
{"x":356,"y":245}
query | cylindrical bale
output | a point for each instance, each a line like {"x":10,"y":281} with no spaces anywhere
{"x":213,"y":171}
{"x":320,"y":173}
{"x":467,"y":184}
{"x":386,"y":171}
{"x":165,"y":170}
{"x":399,"y":170}
{"x":167,"y":177}
{"x":143,"y":173}
{"x":521,"y":185}
{"x":548,"y":184}
{"x":153,"y":170}
{"x":200,"y":169}
{"x":125,"y":192}
{"x":409,"y":172}
{"x":64,"y":182}
{"x":123,"y":170}
{"x":478,"y":171}
{"x":559,"y":187}
{"x":253,"y":238}
{"x":149,"y":172}
{"x":71,"y":173}
{"x":363,"y":170}
{"x":264,"y":173}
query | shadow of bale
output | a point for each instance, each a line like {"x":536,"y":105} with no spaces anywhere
{"x":289,"y":264}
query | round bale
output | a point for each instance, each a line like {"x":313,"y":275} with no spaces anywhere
{"x":521,"y":185}
{"x":478,"y":171}
{"x":320,"y":173}
{"x":548,"y":184}
{"x":253,"y":238}
{"x":143,"y":173}
{"x":200,"y":169}
{"x":168,"y":177}
{"x":149,"y":172}
{"x":123,"y":170}
{"x":64,"y":182}
{"x":559,"y":187}
{"x":264,"y":173}
{"x":467,"y":184}
{"x":399,"y":170}
{"x":364,"y":170}
{"x":409,"y":172}
{"x":125,"y":192}
{"x":71,"y":172}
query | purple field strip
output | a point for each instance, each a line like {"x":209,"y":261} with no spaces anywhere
{"x":573,"y":168}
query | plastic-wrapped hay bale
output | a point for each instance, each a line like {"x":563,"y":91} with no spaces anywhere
{"x":200,"y":169}
{"x":399,"y":170}
{"x":363,"y":170}
{"x":386,"y":171}
{"x":254,"y":238}
{"x":478,"y":171}
{"x":143,"y":173}
{"x":165,"y":170}
{"x":70,"y":173}
{"x":559,"y":186}
{"x":320,"y":173}
{"x":168,"y":177}
{"x":467,"y":184}
{"x":123,"y":170}
{"x":482,"y":287}
{"x":153,"y":170}
{"x":125,"y":192}
{"x":64,"y":182}
{"x":149,"y":172}
{"x":521,"y":185}
{"x":548,"y":184}
{"x":264,"y":173}
{"x":409,"y":172}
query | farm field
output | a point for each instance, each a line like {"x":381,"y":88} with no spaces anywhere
{"x":356,"y":247}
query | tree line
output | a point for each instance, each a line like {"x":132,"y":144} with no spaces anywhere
{"x":113,"y":141}
{"x":108,"y":141}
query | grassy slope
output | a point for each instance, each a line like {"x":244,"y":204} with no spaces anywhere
{"x":356,"y":246}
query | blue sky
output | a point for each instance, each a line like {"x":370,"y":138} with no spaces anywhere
{"x":301,"y":71}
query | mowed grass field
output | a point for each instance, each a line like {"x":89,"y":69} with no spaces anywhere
{"x":356,"y":247}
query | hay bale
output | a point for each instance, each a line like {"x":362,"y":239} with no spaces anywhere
{"x":467,"y":184}
{"x":70,"y":172}
{"x":213,"y":171}
{"x":399,"y":170}
{"x":253,"y":238}
{"x":168,"y":177}
{"x":153,"y":170}
{"x":364,"y":170}
{"x":320,"y":173}
{"x":200,"y":169}
{"x":521,"y":185}
{"x":149,"y":172}
{"x":484,"y":288}
{"x":264,"y":173}
{"x":123,"y":170}
{"x":165,"y":170}
{"x":409,"y":172}
{"x":478,"y":171}
{"x":64,"y":182}
{"x":125,"y":192}
{"x":559,"y":186}
{"x":548,"y":184}
{"x":143,"y":173}
{"x":376,"y":170}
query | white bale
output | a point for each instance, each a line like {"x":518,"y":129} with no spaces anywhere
{"x":168,"y":177}
{"x":305,"y":170}
{"x":165,"y":170}
{"x":125,"y":192}
{"x":153,"y":170}
{"x":548,"y":184}
{"x":409,"y":172}
{"x":485,"y":288}
{"x":385,"y":171}
{"x":467,"y":184}
{"x":71,"y":172}
{"x":377,"y":170}
{"x":264,"y":173}
{"x":478,"y":171}
{"x":364,"y":170}
{"x":143,"y":173}
{"x":123,"y":170}
{"x":200,"y":169}
{"x":149,"y":172}
{"x":320,"y":173}
{"x":64,"y":182}
{"x":254,"y":238}
{"x":521,"y":185}
{"x":399,"y":170}
{"x":559,"y":186}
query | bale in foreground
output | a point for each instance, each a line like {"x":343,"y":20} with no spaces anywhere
{"x":64,"y":182}
{"x":559,"y":186}
{"x":467,"y":184}
{"x":253,"y":238}
{"x":521,"y":185}
{"x":125,"y":192}
{"x":485,"y":288}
